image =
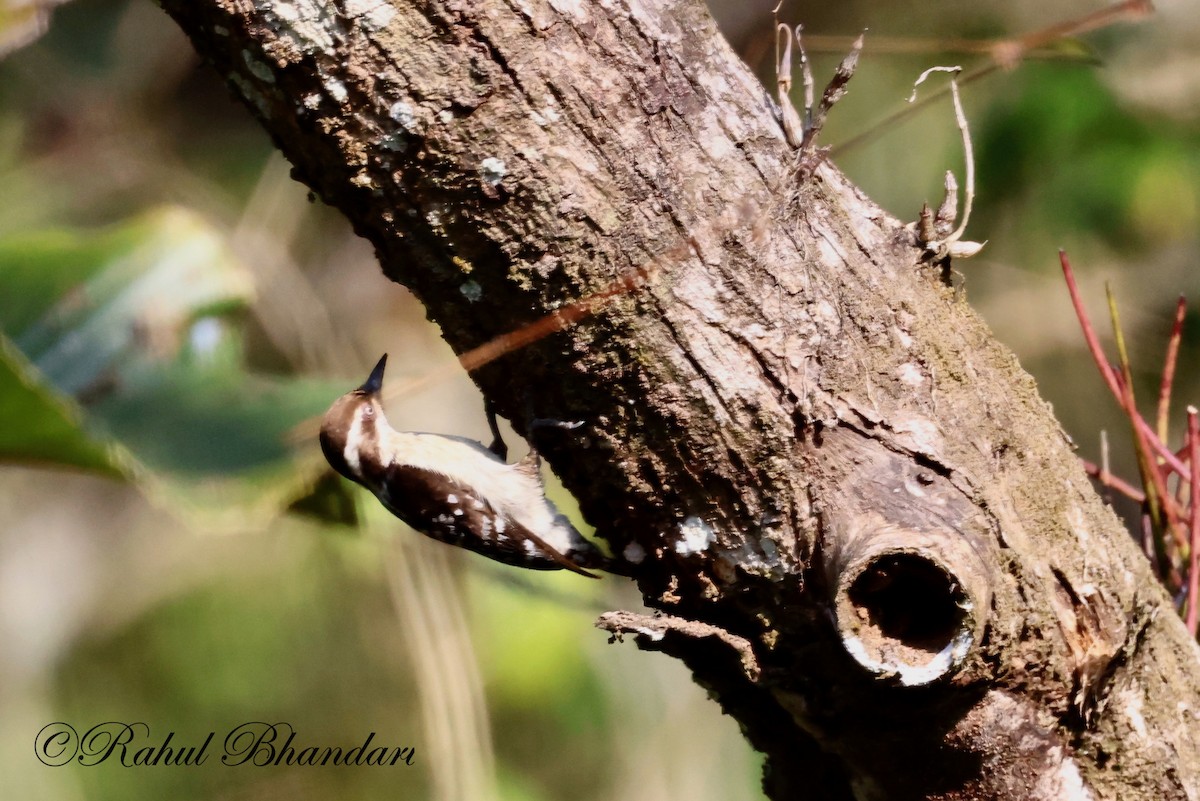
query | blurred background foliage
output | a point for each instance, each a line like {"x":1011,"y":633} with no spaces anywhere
{"x":173,"y":309}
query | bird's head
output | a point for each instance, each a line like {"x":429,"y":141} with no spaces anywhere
{"x":350,"y":429}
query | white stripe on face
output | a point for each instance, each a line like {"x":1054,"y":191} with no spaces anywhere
{"x":354,"y":443}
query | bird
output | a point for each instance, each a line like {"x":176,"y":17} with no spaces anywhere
{"x":453,"y":489}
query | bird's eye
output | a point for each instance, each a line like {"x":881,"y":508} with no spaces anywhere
{"x":368,"y":412}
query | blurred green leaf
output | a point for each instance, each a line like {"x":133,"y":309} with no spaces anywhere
{"x":41,"y":426}
{"x":219,"y":438}
{"x":1076,"y":161}
{"x":135,"y":322}
{"x":82,"y":305}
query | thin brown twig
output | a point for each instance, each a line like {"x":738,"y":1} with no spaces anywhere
{"x":516,"y":339}
{"x":1164,"y":523}
{"x":916,"y":45}
{"x":1005,"y":56}
{"x":1101,"y":18}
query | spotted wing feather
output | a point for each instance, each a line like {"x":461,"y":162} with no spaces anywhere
{"x":449,"y":512}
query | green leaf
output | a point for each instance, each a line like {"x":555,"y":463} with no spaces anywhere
{"x":40,"y":426}
{"x":136,"y":324}
{"x":81,"y":306}
{"x":219,"y":439}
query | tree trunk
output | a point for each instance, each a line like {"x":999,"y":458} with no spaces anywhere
{"x":868,"y":534}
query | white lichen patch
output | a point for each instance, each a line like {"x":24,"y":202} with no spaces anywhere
{"x":471,"y":290}
{"x":634,"y":553}
{"x":713,"y":138}
{"x":570,"y":8}
{"x":919,"y":433}
{"x":548,"y":115}
{"x":694,"y":536}
{"x":336,"y":88}
{"x":1131,"y":704}
{"x":375,"y":14}
{"x":652,"y":23}
{"x":1065,"y":782}
{"x":312,"y":101}
{"x":825,"y":317}
{"x":258,"y":69}
{"x":715,"y":84}
{"x":654,"y":634}
{"x":705,"y":295}
{"x":303,"y":22}
{"x":910,"y":374}
{"x":437,"y":214}
{"x":492,"y":170}
{"x":1077,"y":520}
{"x":758,"y":557}
{"x":406,"y":116}
{"x":756,"y":332}
{"x":830,"y":254}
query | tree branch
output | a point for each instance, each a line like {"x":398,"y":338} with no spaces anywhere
{"x":810,"y":442}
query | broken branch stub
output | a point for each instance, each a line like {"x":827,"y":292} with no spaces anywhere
{"x":909,"y":605}
{"x":907,"y":562}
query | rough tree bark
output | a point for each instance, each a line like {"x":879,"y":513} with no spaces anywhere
{"x":869,"y":534}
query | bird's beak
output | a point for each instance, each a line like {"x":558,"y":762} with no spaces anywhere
{"x":374,"y":382}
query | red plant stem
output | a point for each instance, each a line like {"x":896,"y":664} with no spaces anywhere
{"x":1168,"y":374}
{"x":1110,"y":376}
{"x":1176,"y":512}
{"x":1107,"y":479}
{"x":1161,"y":451}
{"x":1154,"y":478}
{"x":1193,"y":577}
{"x":1152,"y":473}
{"x":1089,"y":332}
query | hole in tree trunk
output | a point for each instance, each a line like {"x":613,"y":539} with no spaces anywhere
{"x":908,"y":601}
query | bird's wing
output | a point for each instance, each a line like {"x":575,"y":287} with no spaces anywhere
{"x":451,"y":512}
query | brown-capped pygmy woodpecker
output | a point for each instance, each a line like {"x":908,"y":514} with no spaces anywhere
{"x":452,"y":489}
